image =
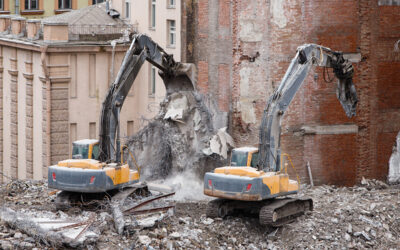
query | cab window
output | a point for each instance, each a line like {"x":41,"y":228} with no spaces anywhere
{"x":254,"y":160}
{"x":80,"y":151}
{"x":239,"y":158}
{"x":95,"y":152}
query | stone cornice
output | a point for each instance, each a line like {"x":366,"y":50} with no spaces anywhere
{"x":59,"y":79}
{"x":28,"y":76}
{"x":13,"y":72}
{"x":53,"y":79}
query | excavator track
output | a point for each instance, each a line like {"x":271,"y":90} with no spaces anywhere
{"x":273,"y":212}
{"x":284,"y":211}
{"x":213,"y":208}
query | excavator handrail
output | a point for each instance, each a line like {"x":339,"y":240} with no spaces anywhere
{"x":291,"y":163}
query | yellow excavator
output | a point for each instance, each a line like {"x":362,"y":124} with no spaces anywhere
{"x":255,"y":181}
{"x":97,"y":166}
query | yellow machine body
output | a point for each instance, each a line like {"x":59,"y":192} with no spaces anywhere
{"x":88,"y":175}
{"x":247,"y":182}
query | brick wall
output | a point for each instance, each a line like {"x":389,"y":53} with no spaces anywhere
{"x":255,"y":40}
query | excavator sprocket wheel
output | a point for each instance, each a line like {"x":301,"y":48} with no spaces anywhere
{"x":213,"y":208}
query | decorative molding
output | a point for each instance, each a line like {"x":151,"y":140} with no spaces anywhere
{"x":31,"y":12}
{"x":60,"y":79}
{"x":42,"y":79}
{"x":28,"y":76}
{"x":57,"y":65}
{"x":330,"y":129}
{"x":60,"y":11}
{"x":13,"y":72}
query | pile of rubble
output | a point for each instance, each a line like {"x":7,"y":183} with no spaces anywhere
{"x":364,"y":216}
{"x":188,"y":133}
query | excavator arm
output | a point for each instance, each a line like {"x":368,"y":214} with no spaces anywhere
{"x":306,"y":56}
{"x":176,"y":76}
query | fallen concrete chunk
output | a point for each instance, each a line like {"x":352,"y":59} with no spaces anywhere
{"x":220,"y":144}
{"x":57,"y":233}
{"x":394,"y":163}
{"x":176,"y":107}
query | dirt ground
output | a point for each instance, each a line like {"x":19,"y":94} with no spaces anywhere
{"x":365,"y":216}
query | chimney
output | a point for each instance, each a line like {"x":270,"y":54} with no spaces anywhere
{"x":55,"y":32}
{"x":33,"y":28}
{"x":17,"y":25}
{"x":5,"y":22}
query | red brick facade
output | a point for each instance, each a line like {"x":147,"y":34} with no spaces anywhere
{"x":243,"y":48}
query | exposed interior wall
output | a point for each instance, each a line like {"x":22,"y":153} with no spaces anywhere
{"x":265,"y":35}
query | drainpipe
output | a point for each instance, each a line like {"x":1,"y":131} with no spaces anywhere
{"x":43,"y":56}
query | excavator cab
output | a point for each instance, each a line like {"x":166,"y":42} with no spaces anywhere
{"x":85,"y":149}
{"x":244,"y":156}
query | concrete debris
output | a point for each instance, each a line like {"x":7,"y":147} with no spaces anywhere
{"x":144,"y":240}
{"x":376,"y":184}
{"x":220,"y":144}
{"x":177,"y":107}
{"x":187,"y":134}
{"x":359,"y":217}
{"x":394,"y":163}
{"x":43,"y":225}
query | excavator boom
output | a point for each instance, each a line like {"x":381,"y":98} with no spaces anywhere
{"x":306,"y":56}
{"x":176,"y":76}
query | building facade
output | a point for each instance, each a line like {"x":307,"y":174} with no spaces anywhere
{"x":54,"y":76}
{"x":56,"y":72}
{"x":243,"y":48}
{"x":42,"y":8}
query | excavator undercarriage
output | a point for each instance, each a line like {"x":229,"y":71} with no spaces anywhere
{"x":273,"y":212}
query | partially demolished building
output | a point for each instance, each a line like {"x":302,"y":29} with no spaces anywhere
{"x":242,"y":49}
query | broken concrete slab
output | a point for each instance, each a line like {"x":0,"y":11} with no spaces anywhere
{"x":47,"y":226}
{"x":394,"y":163}
{"x":177,"y":107}
{"x":220,"y":144}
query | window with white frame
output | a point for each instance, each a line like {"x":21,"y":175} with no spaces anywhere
{"x":152,"y":82}
{"x":171,"y":3}
{"x":127,"y":8}
{"x":1,"y":4}
{"x":171,"y":32}
{"x":64,"y":4}
{"x":31,"y":4}
{"x":152,"y":14}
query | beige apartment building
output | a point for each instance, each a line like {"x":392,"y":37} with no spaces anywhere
{"x":42,"y":8}
{"x":55,"y":72}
